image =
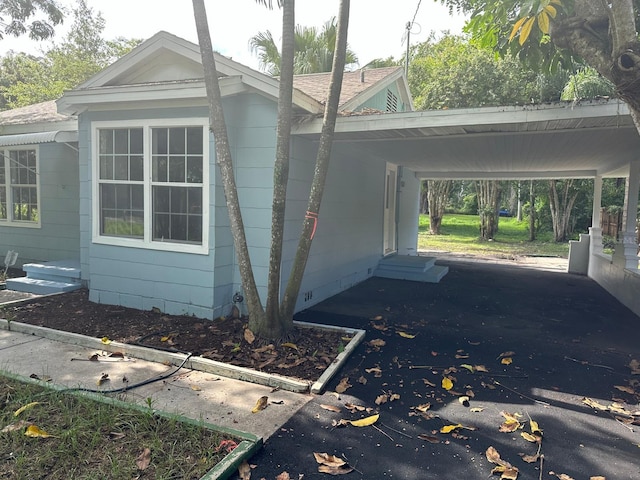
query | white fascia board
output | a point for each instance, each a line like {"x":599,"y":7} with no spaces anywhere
{"x":514,"y":175}
{"x":16,"y":129}
{"x":466,"y":117}
{"x":79,"y":100}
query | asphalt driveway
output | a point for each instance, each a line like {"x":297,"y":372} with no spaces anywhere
{"x":570,"y":346}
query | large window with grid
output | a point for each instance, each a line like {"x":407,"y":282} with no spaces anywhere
{"x":19,"y":199}
{"x":150,"y":185}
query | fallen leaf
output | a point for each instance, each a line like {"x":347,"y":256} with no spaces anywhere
{"x":506,"y":361}
{"x":103,"y":379}
{"x":284,"y":476}
{"x":362,"y":380}
{"x":528,"y":437}
{"x":331,"y":408}
{"x":380,"y":399}
{"x":330,"y":460}
{"x":244,"y":471}
{"x":597,"y":477}
{"x":428,"y":383}
{"x":480,"y":368}
{"x":394,"y":396}
{"x":105,"y":340}
{"x":335,"y":470}
{"x":476,"y":409}
{"x":447,"y":384}
{"x":450,"y":428}
{"x":195,"y":388}
{"x":634,"y":365}
{"x":624,"y":388}
{"x":507,"y":471}
{"x":423,"y":407}
{"x":249,"y":337}
{"x":261,"y":404}
{"x":293,"y":346}
{"x":593,"y":404}
{"x":461,"y":356}
{"x":24,"y":408}
{"x":144,"y":459}
{"x":377,"y":372}
{"x":507,"y":354}
{"x":365,"y":422}
{"x":561,"y":476}
{"x":36,"y":432}
{"x":116,"y":435}
{"x":530,"y":458}
{"x":343,"y":385}
{"x":95,"y":357}
{"x":19,"y":425}
{"x":468,"y":367}
{"x":406,"y":335}
{"x":377,"y":343}
{"x":464,"y":400}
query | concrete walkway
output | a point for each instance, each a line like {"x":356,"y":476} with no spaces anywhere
{"x":201,"y":396}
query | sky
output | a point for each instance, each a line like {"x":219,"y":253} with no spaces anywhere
{"x":377,"y":28}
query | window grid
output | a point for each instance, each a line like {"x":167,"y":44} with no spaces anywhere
{"x":19,"y":203}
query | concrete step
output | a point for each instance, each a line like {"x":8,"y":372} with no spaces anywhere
{"x":41,"y":287}
{"x":64,"y":271}
{"x":411,"y":267}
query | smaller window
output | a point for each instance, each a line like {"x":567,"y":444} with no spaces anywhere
{"x":19,"y":203}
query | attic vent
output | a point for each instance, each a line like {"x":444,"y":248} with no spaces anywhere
{"x":392,"y":102}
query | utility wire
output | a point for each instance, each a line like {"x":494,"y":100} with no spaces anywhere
{"x":415,"y":14}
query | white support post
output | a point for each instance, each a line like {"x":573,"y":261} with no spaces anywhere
{"x":628,"y":241}
{"x":595,"y":231}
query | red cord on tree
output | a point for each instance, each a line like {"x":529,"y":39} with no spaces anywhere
{"x":312,"y":216}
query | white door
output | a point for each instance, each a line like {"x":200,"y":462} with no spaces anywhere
{"x":389,"y":242}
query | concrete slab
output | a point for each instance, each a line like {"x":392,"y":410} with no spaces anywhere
{"x":194,"y":394}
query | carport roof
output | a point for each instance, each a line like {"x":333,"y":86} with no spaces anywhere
{"x":564,"y":140}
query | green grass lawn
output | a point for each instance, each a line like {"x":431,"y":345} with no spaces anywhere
{"x":460,"y":234}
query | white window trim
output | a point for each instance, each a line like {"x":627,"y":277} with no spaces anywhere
{"x":147,"y":242}
{"x":9,"y":222}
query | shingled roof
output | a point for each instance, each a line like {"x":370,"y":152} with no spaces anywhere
{"x":36,"y":113}
{"x":316,"y":84}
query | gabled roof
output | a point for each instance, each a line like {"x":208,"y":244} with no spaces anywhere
{"x":357,"y":86}
{"x":167,"y":63}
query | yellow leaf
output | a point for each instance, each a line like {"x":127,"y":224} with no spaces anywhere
{"x":406,"y":335}
{"x":105,"y":340}
{"x":526,"y":30}
{"x":551,"y":11}
{"x":516,"y":27}
{"x":290,"y":345}
{"x":447,"y":384}
{"x":535,"y":428}
{"x":25,"y":407}
{"x":450,"y":428}
{"x":528,"y":437}
{"x":365,"y":422}
{"x":468,"y":367}
{"x":543,"y":22}
{"x":261,"y":404}
{"x":506,"y":361}
{"x":165,"y":339}
{"x":195,"y":388}
{"x":35,"y":432}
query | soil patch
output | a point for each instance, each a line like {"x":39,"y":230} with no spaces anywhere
{"x":305,"y":356}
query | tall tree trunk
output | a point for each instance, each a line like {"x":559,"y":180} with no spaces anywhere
{"x":274,"y":326}
{"x":223,"y":153}
{"x":532,"y":212}
{"x":561,"y":204}
{"x":438,"y":195}
{"x":322,"y":166}
{"x":488,"y":192}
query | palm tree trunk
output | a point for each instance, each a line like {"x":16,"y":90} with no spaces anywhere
{"x":322,"y":166}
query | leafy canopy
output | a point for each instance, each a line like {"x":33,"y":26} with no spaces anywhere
{"x":37,"y":18}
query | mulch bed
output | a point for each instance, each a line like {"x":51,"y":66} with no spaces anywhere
{"x":305,"y":356}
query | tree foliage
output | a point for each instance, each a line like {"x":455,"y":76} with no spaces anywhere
{"x":313,"y":52}
{"x":26,"y":79}
{"x":586,"y":83}
{"x":35,"y":18}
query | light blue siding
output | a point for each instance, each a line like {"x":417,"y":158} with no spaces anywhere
{"x":58,"y":237}
{"x":379,"y":100}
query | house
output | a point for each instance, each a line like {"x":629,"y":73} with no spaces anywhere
{"x":151,"y":228}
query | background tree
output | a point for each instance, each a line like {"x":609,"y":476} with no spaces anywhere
{"x":82,"y":53}
{"x":276,"y":321}
{"x":488,"y":192}
{"x":35,"y":18}
{"x":437,"y":196}
{"x":562,"y":198}
{"x":586,"y":83}
{"x":314,"y":50}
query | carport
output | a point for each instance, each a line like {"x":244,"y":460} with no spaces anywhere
{"x":595,"y":139}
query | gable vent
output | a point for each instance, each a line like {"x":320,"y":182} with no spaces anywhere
{"x":392,"y":102}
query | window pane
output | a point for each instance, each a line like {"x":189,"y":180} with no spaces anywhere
{"x":176,"y":169}
{"x":194,"y":141}
{"x":176,"y":140}
{"x":3,"y":175}
{"x":178,"y":227}
{"x":195,"y":200}
{"x":123,"y":197}
{"x":122,"y":210}
{"x":135,"y":141}
{"x":108,"y":196}
{"x":25,"y":204}
{"x":106,"y":167}
{"x":105,"y":141}
{"x":161,"y":199}
{"x":137,"y":168}
{"x":3,"y":202}
{"x":178,"y":200}
{"x":194,"y":229}
{"x":159,"y":141}
{"x":177,"y":214}
{"x":121,"y":137}
{"x":160,"y":169}
{"x":121,"y":171}
{"x":194,"y":170}
{"x":161,"y":222}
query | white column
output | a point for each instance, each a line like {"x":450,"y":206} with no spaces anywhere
{"x":628,"y":241}
{"x":595,"y":231}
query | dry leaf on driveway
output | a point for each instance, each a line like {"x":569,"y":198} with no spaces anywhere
{"x":244,"y":471}
{"x":343,"y":385}
{"x":331,"y":408}
{"x":261,"y":404}
{"x":331,"y":464}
